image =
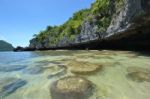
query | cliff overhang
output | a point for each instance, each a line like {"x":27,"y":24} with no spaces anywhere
{"x":129,"y":29}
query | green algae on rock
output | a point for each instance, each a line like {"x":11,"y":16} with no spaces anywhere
{"x":71,"y":88}
{"x":138,"y":74}
{"x":138,"y":69}
{"x":80,"y":67}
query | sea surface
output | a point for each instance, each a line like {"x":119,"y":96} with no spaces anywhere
{"x":29,"y":75}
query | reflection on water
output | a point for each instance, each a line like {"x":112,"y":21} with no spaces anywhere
{"x":114,"y":74}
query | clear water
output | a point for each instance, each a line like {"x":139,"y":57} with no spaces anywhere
{"x":28,"y":75}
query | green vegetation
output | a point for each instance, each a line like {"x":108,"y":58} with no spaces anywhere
{"x":99,"y":10}
{"x":4,"y":46}
{"x":68,"y":29}
{"x":100,"y":6}
{"x":120,"y":3}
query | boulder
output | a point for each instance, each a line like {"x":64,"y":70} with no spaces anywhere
{"x":138,"y":74}
{"x":79,"y":67}
{"x":71,"y":88}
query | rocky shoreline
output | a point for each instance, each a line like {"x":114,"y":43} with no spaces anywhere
{"x":129,"y":29}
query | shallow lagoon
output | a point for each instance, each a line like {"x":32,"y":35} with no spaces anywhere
{"x":28,"y":75}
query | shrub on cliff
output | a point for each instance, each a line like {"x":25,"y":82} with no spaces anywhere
{"x":100,"y":10}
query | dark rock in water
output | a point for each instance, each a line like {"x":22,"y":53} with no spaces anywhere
{"x":19,"y":48}
{"x":55,"y":62}
{"x":71,"y":88}
{"x":11,"y":68}
{"x":42,"y":63}
{"x":40,"y":68}
{"x":58,"y":74}
{"x":4,"y":81}
{"x":34,"y":70}
{"x":45,"y":63}
{"x":12,"y":87}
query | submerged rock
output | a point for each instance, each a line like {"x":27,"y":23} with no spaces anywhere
{"x":11,"y":87}
{"x":138,"y":74}
{"x":71,"y":88}
{"x":43,"y":62}
{"x":4,"y":81}
{"x":34,"y":70}
{"x":48,"y":64}
{"x":83,"y":67}
{"x":38,"y":69}
{"x":138,"y":69}
{"x":11,"y":68}
{"x":58,"y":73}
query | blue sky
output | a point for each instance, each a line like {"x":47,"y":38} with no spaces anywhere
{"x":20,"y":19}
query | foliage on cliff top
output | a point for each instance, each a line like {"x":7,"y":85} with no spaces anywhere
{"x":71,"y":28}
{"x":68,"y":29}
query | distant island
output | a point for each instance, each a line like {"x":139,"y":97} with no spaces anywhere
{"x":5,"y":46}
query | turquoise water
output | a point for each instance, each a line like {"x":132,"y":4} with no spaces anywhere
{"x":28,"y":75}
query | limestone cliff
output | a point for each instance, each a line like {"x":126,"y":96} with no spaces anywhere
{"x":123,"y":21}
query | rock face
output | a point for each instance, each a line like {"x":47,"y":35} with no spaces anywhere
{"x":126,"y":21}
{"x":129,"y":28}
{"x":71,"y":88}
{"x":126,"y":18}
{"x":4,"y":46}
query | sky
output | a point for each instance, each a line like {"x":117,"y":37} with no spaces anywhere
{"x":21,"y":19}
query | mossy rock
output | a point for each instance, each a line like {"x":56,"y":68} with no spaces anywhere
{"x":138,"y":74}
{"x":79,"y":67}
{"x":71,"y":87}
{"x":138,"y":69}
